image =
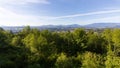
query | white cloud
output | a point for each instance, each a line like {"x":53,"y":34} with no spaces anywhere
{"x":12,"y":19}
{"x":113,"y":19}
{"x":23,"y":1}
{"x":85,"y":14}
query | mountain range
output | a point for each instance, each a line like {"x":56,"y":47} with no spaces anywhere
{"x":65,"y":27}
{"x":103,"y":25}
{"x":94,"y":25}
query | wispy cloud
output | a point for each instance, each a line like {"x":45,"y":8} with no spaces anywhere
{"x":8,"y":17}
{"x":23,"y":1}
{"x":85,"y":14}
{"x":114,"y":19}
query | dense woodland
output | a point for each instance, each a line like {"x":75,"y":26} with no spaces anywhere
{"x":32,"y":48}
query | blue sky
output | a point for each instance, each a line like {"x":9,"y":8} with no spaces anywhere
{"x":58,"y":12}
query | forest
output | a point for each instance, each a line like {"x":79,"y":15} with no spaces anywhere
{"x":79,"y":48}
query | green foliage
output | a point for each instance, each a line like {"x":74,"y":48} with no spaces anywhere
{"x":112,"y":61}
{"x":78,"y":48}
{"x":96,"y":43}
{"x":79,"y":36}
{"x":91,"y":60}
{"x":116,"y":37}
{"x":64,"y":62}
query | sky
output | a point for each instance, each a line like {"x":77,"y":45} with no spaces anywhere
{"x":58,"y":12}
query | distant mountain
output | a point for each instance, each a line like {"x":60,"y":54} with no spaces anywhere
{"x":65,"y":27}
{"x":59,"y":26}
{"x":103,"y":25}
{"x":94,"y":25}
{"x":44,"y":27}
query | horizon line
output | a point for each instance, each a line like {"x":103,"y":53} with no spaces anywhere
{"x":58,"y":24}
